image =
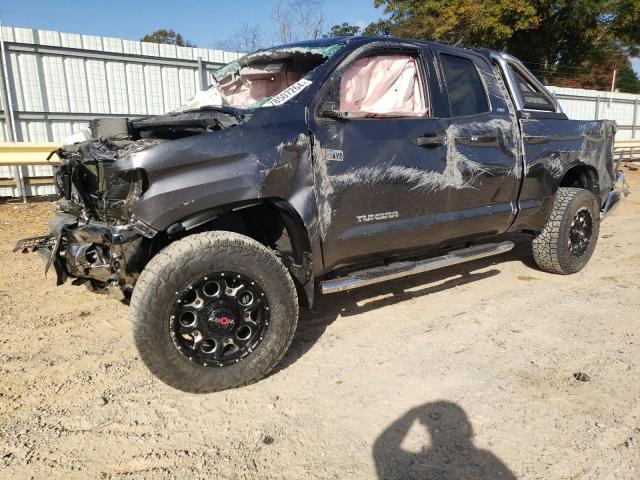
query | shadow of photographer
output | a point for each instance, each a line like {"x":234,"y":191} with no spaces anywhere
{"x":451,"y":453}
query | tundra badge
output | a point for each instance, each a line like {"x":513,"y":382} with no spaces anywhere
{"x":335,"y":155}
{"x":377,"y":216}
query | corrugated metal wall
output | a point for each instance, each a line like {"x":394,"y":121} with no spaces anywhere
{"x":581,"y":104}
{"x":58,"y":81}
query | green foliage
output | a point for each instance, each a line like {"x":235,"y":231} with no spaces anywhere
{"x":628,"y":81}
{"x":343,"y":30}
{"x":169,"y":37}
{"x":381,"y":28}
{"x":555,"y":38}
{"x":460,"y":22}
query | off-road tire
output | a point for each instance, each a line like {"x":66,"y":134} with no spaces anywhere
{"x":175,"y":266}
{"x":550,"y":247}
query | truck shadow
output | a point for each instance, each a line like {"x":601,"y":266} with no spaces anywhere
{"x":450,"y":453}
{"x":313,"y":323}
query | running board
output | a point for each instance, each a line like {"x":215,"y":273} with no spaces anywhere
{"x":403,"y":269}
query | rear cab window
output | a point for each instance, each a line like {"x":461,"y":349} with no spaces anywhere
{"x":532,"y":95}
{"x":467,"y":94}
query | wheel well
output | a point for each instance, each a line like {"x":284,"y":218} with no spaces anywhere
{"x":272,"y":222}
{"x":582,"y":176}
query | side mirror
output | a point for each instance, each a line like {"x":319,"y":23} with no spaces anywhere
{"x":332,"y":110}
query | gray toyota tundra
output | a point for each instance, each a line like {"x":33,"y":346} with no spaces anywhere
{"x":318,"y":167}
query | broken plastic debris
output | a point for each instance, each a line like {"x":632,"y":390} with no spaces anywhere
{"x":581,"y":376}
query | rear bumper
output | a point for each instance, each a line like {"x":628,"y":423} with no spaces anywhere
{"x":615,"y":196}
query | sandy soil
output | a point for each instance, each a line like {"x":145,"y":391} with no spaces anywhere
{"x":464,"y":373}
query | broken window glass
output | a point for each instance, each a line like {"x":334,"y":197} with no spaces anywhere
{"x":263,"y":78}
{"x":532,"y":97}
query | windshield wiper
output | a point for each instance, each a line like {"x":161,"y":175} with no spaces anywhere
{"x":216,"y":108}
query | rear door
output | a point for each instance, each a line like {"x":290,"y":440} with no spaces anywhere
{"x":379,"y":171}
{"x":482,"y":156}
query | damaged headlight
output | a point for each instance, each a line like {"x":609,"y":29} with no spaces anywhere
{"x":121,"y":192}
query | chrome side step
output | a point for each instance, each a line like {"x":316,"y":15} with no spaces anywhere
{"x":403,"y":269}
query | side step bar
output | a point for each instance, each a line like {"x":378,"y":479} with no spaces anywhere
{"x":403,"y":269}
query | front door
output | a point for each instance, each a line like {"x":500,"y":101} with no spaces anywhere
{"x":381,"y":171}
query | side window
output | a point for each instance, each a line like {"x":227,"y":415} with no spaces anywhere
{"x":532,"y":96}
{"x":466,"y":91}
{"x":382,"y":86}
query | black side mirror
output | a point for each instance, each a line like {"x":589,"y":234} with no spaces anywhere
{"x":332,"y":110}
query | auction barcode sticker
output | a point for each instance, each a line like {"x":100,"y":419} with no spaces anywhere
{"x":288,"y":93}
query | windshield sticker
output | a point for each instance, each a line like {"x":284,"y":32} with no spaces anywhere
{"x":288,"y":93}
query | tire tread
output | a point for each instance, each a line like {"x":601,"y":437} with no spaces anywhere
{"x":167,"y":262}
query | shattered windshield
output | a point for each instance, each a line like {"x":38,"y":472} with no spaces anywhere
{"x":264,"y":78}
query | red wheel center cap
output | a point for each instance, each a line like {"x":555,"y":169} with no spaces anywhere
{"x":224,"y":321}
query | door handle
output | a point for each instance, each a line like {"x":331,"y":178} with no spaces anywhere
{"x":429,"y":140}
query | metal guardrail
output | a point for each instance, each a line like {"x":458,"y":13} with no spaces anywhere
{"x":627,"y":150}
{"x":16,"y":154}
{"x":23,"y":154}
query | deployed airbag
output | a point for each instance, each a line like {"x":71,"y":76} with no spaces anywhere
{"x":382,"y":85}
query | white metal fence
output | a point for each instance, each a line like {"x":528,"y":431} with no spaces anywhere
{"x":581,"y":104}
{"x":58,"y":81}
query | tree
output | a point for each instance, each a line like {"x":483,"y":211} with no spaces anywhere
{"x":169,"y":37}
{"x":343,"y":30}
{"x":553,"y":37}
{"x":309,"y":16}
{"x":297,"y":20}
{"x":628,"y":80}
{"x":381,"y":28}
{"x":459,"y":22}
{"x":248,"y":38}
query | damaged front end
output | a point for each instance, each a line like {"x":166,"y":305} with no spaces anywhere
{"x":94,"y":236}
{"x":107,"y":258}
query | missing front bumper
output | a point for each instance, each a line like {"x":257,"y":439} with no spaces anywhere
{"x":104,"y":257}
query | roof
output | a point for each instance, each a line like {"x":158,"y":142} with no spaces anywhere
{"x":361,"y":39}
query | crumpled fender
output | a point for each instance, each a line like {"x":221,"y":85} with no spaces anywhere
{"x":267,"y":157}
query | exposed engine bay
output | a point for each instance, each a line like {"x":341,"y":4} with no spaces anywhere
{"x":95,"y":236}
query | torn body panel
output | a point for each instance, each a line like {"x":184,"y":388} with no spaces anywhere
{"x":552,"y":147}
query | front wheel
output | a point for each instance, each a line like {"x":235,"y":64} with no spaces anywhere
{"x":569,"y":237}
{"x":213,"y":311}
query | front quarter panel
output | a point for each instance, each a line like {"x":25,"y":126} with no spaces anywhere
{"x":268,"y":156}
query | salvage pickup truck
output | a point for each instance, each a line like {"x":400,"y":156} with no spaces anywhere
{"x":319,"y":166}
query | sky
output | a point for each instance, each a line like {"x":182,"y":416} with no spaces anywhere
{"x":203,"y":22}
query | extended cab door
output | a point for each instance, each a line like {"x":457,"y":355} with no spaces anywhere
{"x":482,"y":137}
{"x":379,"y":156}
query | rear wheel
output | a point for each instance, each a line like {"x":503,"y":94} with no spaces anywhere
{"x":213,"y":311}
{"x":569,"y":238}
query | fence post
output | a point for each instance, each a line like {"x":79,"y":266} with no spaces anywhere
{"x":635,"y":117}
{"x":201,"y":75}
{"x":597,"y":107}
{"x":10,"y":119}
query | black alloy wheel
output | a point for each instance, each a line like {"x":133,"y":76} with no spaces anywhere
{"x":219,"y":318}
{"x":580,"y":233}
{"x":213,"y":310}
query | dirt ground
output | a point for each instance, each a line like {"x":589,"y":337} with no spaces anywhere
{"x":464,"y":373}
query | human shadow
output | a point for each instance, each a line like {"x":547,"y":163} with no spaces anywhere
{"x":328,"y":308}
{"x":450,"y":454}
